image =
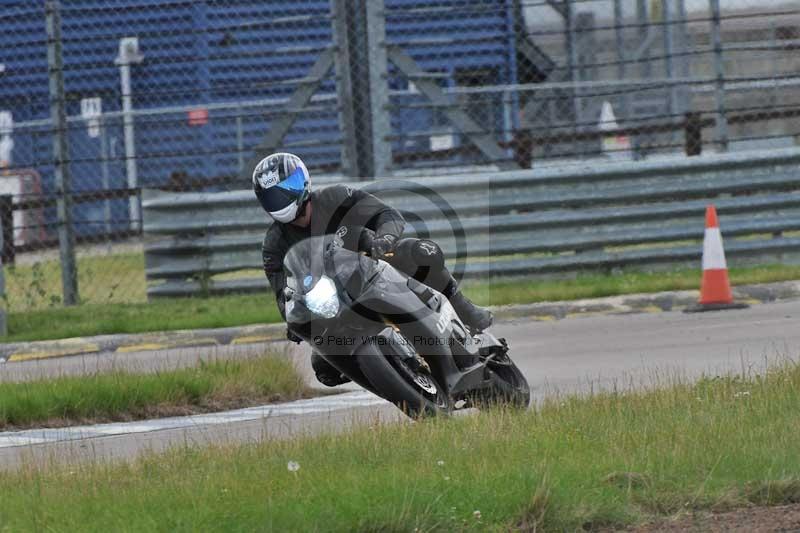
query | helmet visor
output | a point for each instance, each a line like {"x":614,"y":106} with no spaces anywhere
{"x":277,"y":198}
{"x":295,"y":183}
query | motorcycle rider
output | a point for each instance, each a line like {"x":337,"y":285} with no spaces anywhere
{"x":282,"y":185}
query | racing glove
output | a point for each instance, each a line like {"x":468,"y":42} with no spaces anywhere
{"x":382,"y":246}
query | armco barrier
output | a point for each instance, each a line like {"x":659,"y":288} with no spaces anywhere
{"x":519,"y":223}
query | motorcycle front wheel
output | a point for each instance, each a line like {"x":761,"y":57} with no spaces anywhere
{"x":512,"y":389}
{"x":415,"y":392}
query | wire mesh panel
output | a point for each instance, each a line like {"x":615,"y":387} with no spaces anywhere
{"x":561,"y":82}
{"x":179,"y":95}
{"x":451,"y":63}
{"x":187,"y":95}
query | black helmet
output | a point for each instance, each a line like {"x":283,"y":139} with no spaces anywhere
{"x":281,"y":183}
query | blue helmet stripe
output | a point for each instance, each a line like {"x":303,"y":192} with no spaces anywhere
{"x":296,"y":181}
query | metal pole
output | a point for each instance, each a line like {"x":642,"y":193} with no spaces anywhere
{"x":7,"y":226}
{"x":344,"y":88}
{"x":129,"y":140}
{"x":128,"y":55}
{"x":620,"y":39}
{"x":517,"y":39}
{"x":104,"y":174}
{"x":201,"y":56}
{"x":644,"y":63}
{"x":643,"y":21}
{"x":508,"y":120}
{"x":130,"y":143}
{"x":684,"y":38}
{"x":3,"y":233}
{"x":669,"y":63}
{"x":378,"y":86}
{"x":58,"y":113}
{"x":773,"y":42}
{"x":683,"y":47}
{"x":572,"y":62}
{"x":585,"y":51}
{"x":719,"y":67}
{"x":240,"y":138}
{"x":669,"y":52}
{"x":3,"y":322}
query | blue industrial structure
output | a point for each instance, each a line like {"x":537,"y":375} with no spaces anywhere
{"x":202,"y":53}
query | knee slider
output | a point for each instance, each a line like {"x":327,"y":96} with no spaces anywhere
{"x":427,"y":253}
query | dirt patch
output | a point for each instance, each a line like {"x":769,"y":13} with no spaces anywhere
{"x":748,"y":520}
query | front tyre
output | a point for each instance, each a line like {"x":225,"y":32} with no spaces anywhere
{"x":517,"y":392}
{"x":413,"y":391}
{"x":511,"y":388}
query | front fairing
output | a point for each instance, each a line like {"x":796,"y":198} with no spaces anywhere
{"x":371,"y":294}
{"x":315,"y":258}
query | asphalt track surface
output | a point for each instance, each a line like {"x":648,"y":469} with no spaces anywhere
{"x":575,"y":355}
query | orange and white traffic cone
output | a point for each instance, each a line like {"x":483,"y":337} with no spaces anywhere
{"x":715,"y":291}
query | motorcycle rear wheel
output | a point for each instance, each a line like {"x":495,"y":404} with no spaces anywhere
{"x":415,"y":393}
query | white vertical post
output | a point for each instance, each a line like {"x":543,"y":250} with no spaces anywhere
{"x":129,"y":54}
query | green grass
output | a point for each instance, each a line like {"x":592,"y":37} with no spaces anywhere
{"x":577,"y":463}
{"x":160,"y":315}
{"x":120,"y":395}
{"x":629,"y":282}
{"x":128,"y":312}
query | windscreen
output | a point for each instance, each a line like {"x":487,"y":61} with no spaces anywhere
{"x":304,"y":264}
{"x":310,"y":259}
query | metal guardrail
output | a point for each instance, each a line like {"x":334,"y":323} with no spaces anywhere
{"x":518,"y":223}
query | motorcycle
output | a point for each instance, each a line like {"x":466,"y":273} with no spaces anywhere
{"x":392,"y":334}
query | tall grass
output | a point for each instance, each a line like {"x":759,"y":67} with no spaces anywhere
{"x":108,"y":279}
{"x":126,"y":395}
{"x":577,"y":463}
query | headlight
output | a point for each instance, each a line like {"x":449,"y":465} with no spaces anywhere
{"x":322,"y":300}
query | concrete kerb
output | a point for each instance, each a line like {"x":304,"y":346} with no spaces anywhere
{"x":26,"y":351}
{"x":545,"y":311}
{"x":644,"y":303}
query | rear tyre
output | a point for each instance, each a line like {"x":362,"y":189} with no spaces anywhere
{"x":415,"y":392}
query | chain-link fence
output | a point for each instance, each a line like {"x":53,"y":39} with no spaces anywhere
{"x":101,"y":98}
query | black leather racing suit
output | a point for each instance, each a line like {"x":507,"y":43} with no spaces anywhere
{"x":337,"y":206}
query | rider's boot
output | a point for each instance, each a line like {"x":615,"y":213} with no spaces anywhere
{"x":477,"y":318}
{"x":326,"y":373}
